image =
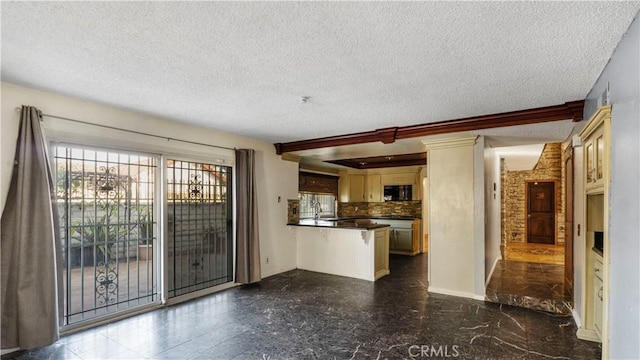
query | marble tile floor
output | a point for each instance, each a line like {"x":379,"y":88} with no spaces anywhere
{"x":530,"y":285}
{"x":306,"y":315}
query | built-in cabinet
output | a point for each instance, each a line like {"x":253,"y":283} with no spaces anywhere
{"x":595,"y":138}
{"x":594,"y":155}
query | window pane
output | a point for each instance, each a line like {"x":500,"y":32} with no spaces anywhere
{"x":327,"y":204}
{"x":200,"y":236}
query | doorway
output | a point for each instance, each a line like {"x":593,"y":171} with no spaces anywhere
{"x":531,"y":272}
{"x":541,"y":215}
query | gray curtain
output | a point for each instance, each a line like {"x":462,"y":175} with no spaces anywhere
{"x":30,"y":301}
{"x":247,"y":239}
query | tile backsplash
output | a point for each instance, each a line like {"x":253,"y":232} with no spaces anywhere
{"x":387,"y":208}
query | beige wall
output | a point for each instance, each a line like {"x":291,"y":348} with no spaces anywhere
{"x":276,"y":178}
{"x":456,"y":248}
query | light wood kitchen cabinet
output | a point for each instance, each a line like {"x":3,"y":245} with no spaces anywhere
{"x":367,"y":186}
{"x":356,"y":188}
{"x":374,"y":188}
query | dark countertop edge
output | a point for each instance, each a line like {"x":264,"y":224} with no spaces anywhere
{"x":373,"y":217}
{"x":346,"y":227}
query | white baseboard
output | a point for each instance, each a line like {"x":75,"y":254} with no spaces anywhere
{"x":8,"y":351}
{"x":463,"y":294}
{"x":587,"y":334}
{"x":493,"y":267}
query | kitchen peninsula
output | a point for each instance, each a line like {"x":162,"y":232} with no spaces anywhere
{"x":352,"y":248}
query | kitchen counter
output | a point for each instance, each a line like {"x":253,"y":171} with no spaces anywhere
{"x":352,"y":223}
{"x":333,"y":247}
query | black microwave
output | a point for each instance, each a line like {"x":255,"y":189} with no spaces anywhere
{"x":398,"y":192}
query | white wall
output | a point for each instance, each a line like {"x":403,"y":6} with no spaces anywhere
{"x":493,"y":206}
{"x":622,"y":73}
{"x":275,"y":176}
{"x":454,"y":245}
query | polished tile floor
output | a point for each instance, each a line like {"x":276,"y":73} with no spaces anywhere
{"x":305,"y":315}
{"x":531,"y":285}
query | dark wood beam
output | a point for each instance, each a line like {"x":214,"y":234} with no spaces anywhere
{"x":570,"y":110}
{"x":386,"y":136}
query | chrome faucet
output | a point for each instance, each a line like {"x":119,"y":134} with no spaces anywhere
{"x":316,"y":209}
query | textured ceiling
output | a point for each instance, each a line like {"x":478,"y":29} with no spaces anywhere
{"x":242,"y":67}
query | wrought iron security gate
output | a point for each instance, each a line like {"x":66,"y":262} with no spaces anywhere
{"x":107,"y":220}
{"x":200,"y":231}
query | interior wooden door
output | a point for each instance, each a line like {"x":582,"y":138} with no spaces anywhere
{"x":568,"y":223}
{"x":541,"y":217}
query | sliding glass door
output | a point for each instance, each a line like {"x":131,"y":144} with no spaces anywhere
{"x":107,"y":202}
{"x":107,"y":215}
{"x":200,"y":226}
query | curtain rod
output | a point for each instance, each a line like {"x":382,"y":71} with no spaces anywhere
{"x":133,"y":131}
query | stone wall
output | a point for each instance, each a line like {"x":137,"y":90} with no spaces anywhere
{"x":387,"y":208}
{"x":550,"y":167}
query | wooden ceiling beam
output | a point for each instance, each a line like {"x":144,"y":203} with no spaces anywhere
{"x":570,"y":110}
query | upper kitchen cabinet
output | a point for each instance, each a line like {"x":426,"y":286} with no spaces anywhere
{"x":367,"y":185}
{"x":356,"y":188}
{"x":374,"y":188}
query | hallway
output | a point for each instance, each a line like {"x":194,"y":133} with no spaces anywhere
{"x":306,"y":315}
